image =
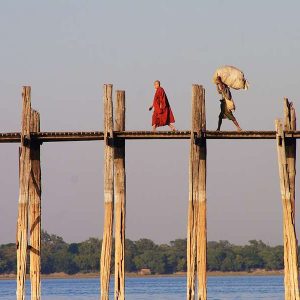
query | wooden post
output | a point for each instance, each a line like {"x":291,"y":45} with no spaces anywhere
{"x":200,"y":198}
{"x":35,"y":211}
{"x":291,"y":280}
{"x":24,"y":176}
{"x":290,"y":147}
{"x":196,"y":236}
{"x":106,"y":251}
{"x":120,"y":198}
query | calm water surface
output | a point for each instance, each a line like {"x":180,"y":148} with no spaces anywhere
{"x":164,"y":288}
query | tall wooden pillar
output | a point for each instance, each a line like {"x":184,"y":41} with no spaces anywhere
{"x":24,"y":177}
{"x":35,"y":211}
{"x":106,"y":251}
{"x":291,"y":273}
{"x":196,"y":236}
{"x":201,"y":229}
{"x":120,"y":198}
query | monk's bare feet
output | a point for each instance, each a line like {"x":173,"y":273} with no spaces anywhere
{"x":172,"y":127}
{"x":239,"y":129}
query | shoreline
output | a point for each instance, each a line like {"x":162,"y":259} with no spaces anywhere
{"x":136,"y":275}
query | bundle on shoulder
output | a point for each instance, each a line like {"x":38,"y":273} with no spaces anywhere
{"x":232,"y":77}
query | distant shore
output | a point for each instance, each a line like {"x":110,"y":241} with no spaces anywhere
{"x":136,"y":275}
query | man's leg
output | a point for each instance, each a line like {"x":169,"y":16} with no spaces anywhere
{"x":235,"y":122}
{"x":220,"y":122}
{"x":154,"y":128}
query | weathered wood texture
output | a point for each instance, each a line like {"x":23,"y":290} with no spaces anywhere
{"x":290,"y":152}
{"x":24,"y":176}
{"x":191,"y":230}
{"x":196,"y":235}
{"x":105,"y":261}
{"x":120,"y":198}
{"x":35,"y":211}
{"x":291,"y":279}
{"x":200,"y":198}
{"x":290,"y":147}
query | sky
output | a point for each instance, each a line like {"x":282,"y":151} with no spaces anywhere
{"x":66,"y":50}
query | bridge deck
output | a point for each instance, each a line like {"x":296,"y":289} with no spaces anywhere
{"x":14,"y":137}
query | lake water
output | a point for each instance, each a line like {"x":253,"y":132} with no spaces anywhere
{"x":158,"y":288}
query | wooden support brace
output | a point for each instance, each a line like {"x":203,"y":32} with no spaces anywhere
{"x":196,"y":235}
{"x":24,"y":176}
{"x":290,"y":147}
{"x":105,"y":261}
{"x":201,"y":228}
{"x":120,"y":198}
{"x":291,"y":280}
{"x":35,"y":211}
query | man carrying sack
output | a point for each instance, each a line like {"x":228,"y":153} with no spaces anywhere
{"x":227,"y":77}
{"x":227,"y":105}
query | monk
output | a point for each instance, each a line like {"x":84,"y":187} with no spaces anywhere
{"x":227,"y":105}
{"x":162,"y":114}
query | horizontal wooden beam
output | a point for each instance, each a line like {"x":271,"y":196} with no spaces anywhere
{"x":65,"y":136}
{"x":209,"y":135}
{"x":10,"y":137}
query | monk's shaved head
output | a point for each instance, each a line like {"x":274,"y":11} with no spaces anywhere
{"x":156,"y":84}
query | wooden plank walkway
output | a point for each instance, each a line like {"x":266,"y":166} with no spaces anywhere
{"x":68,"y":136}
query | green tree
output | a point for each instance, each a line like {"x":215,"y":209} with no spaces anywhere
{"x":87,"y":257}
{"x":8,"y":259}
{"x":130,"y":253}
{"x":59,"y":256}
{"x":152,"y":260}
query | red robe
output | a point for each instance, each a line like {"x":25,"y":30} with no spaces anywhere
{"x":162,"y":114}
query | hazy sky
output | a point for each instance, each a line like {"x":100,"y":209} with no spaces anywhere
{"x":66,"y":50}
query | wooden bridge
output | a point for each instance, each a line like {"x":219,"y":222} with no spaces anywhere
{"x":73,"y":136}
{"x":114,"y":136}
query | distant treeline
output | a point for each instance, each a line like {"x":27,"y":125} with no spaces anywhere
{"x":59,"y":256}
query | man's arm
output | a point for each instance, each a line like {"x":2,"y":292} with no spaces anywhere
{"x":219,"y":88}
{"x":227,"y":93}
{"x":163,"y":100}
